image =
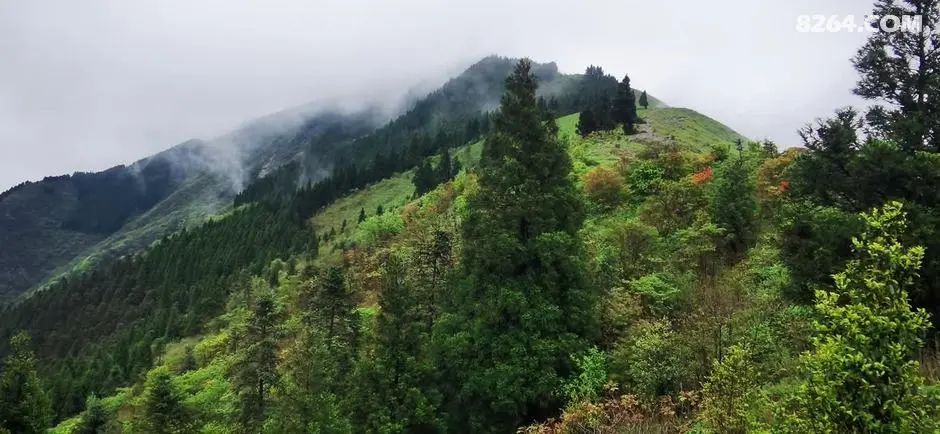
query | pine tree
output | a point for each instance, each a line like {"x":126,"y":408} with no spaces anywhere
{"x":862,"y":375}
{"x":164,"y":411}
{"x":644,"y":100}
{"x":734,"y":205}
{"x":424,"y":179}
{"x":362,"y":215}
{"x":587,"y":123}
{"x":317,"y":383}
{"x":396,"y":379}
{"x":624,"y":106}
{"x":523,"y":306}
{"x":24,"y":405}
{"x":255,"y":371}
{"x":445,"y":169}
{"x":94,"y":420}
{"x":431,"y":264}
{"x":900,"y":67}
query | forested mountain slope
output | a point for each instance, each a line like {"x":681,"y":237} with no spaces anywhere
{"x":578,"y":260}
{"x":70,"y":222}
{"x":116,"y":305}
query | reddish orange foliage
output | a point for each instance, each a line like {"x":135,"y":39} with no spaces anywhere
{"x":784,"y":186}
{"x":703,"y":176}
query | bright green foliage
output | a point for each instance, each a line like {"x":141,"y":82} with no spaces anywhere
{"x":861,"y":374}
{"x":734,"y":206}
{"x":94,"y":419}
{"x":164,"y":411}
{"x":309,"y":398}
{"x":523,"y":306}
{"x":24,"y":405}
{"x":659,"y":294}
{"x":592,"y":376}
{"x":731,"y":392}
{"x":378,"y":227}
{"x":645,"y":178}
{"x":255,"y":372}
{"x":650,"y":362}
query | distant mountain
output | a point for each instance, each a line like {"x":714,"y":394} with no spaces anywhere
{"x":63,"y":222}
{"x":70,"y":223}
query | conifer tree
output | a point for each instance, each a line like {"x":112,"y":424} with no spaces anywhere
{"x":644,"y":100}
{"x":94,"y":419}
{"x":328,"y":305}
{"x":734,"y":206}
{"x":900,"y":67}
{"x":164,"y":412}
{"x":316,"y":387}
{"x":445,"y":169}
{"x":362,"y":215}
{"x":431,"y":264}
{"x":523,"y":307}
{"x":397,"y":378}
{"x":255,"y":371}
{"x":587,"y":123}
{"x":624,"y":106}
{"x":24,"y":405}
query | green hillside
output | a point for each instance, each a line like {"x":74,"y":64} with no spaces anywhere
{"x":460,"y":270}
{"x":394,"y":195}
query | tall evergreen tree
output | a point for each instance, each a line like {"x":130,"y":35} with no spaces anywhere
{"x":24,"y":405}
{"x":328,"y":305}
{"x":431,"y":265}
{"x":644,"y":100}
{"x":900,"y":67}
{"x":317,"y":387}
{"x":523,"y":307}
{"x":255,"y":371}
{"x":362,"y":215}
{"x":94,"y":419}
{"x":164,"y":412}
{"x":734,"y":205}
{"x":397,"y":393}
{"x":445,"y":170}
{"x":587,"y":123}
{"x":624,"y":106}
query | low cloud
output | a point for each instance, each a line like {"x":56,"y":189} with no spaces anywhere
{"x":87,"y":85}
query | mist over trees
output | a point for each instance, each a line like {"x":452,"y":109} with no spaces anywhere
{"x":561,"y":262}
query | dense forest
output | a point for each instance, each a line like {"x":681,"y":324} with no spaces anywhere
{"x":573,"y":258}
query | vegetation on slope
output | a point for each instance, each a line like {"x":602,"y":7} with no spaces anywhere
{"x":610,"y":280}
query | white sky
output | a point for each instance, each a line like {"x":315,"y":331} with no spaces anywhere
{"x":85,"y":85}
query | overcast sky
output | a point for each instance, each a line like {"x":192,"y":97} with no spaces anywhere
{"x":88,"y":84}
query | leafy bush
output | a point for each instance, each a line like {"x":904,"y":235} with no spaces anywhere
{"x":592,"y":376}
{"x":604,"y":186}
{"x":651,"y":362}
{"x":645,"y":178}
{"x":660,"y":295}
{"x":379,"y":227}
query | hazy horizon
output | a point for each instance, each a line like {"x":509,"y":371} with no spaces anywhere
{"x":88,"y":86}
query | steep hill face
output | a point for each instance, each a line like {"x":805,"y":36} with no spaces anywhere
{"x":72,"y":222}
{"x":59,"y":223}
{"x":124,"y":310}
